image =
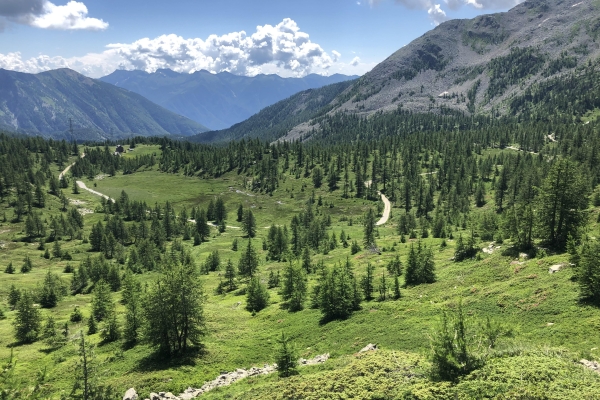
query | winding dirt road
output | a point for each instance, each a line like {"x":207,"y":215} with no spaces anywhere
{"x":82,"y":185}
{"x":387,"y":209}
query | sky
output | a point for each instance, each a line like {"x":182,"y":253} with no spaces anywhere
{"x":244,"y":37}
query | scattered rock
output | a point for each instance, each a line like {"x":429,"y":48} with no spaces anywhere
{"x":491,"y":248}
{"x":227,"y":378}
{"x":524,"y":256}
{"x":550,"y":324}
{"x":131,"y":394}
{"x":555,"y":268}
{"x":593,"y":365}
{"x":369,"y":347}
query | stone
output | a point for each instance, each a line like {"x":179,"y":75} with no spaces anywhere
{"x":555,"y":268}
{"x":369,"y":347}
{"x":130,"y":394}
{"x":593,"y":365}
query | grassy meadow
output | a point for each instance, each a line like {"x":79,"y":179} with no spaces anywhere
{"x":542,"y":310}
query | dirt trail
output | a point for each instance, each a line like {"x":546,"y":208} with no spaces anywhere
{"x":82,"y":185}
{"x":387,"y":209}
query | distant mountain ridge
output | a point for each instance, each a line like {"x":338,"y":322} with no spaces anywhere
{"x":216,"y":100}
{"x":510,"y":63}
{"x":42,"y":104}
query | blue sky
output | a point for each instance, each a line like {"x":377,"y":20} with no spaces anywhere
{"x":293,"y":38}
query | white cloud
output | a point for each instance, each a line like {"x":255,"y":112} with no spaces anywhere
{"x":282,"y":49}
{"x":355,"y":61}
{"x":438,"y":15}
{"x":46,"y":15}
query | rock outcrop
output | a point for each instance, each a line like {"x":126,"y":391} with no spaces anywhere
{"x":225,"y":379}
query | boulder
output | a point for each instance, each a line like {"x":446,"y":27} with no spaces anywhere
{"x":369,"y":347}
{"x":555,"y":268}
{"x":130,"y":394}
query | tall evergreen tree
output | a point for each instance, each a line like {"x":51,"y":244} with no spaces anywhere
{"x":28,"y":320}
{"x":561,"y":204}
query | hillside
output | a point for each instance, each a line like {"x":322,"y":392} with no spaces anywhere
{"x":277,"y":120}
{"x":539,"y":57}
{"x":216,"y":100}
{"x":42,"y":104}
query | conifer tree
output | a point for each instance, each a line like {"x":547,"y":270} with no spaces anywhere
{"x":230,"y":276}
{"x":28,"y":320}
{"x":9,"y":268}
{"x":397,"y":293}
{"x":561,"y":204}
{"x":294,"y":287}
{"x":367,"y":283}
{"x":369,"y":229}
{"x":383,"y":288}
{"x":14,"y":295}
{"x":248,"y":263}
{"x":286,"y":359}
{"x":588,"y":271}
{"x":257,"y":296}
{"x":173,"y":307}
{"x":132,"y":292}
{"x":101,"y":301}
{"x":92,"y":327}
{"x":249,"y":224}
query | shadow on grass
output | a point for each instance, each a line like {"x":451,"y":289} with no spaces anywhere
{"x":158,"y":361}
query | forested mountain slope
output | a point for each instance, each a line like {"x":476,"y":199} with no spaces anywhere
{"x":216,"y":100}
{"x":277,"y":120}
{"x":42,"y":104}
{"x":537,"y":59}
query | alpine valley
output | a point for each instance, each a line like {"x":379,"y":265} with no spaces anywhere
{"x":429,"y":230}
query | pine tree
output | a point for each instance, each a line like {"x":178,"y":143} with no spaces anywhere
{"x":49,"y":332}
{"x":112,"y":328}
{"x":220,"y":210}
{"x":561,"y":204}
{"x":240,"y":213}
{"x":306,"y":260}
{"x":9,"y":268}
{"x":397,"y":294}
{"x":27,"y":265}
{"x":173,"y":307}
{"x":394,"y":267}
{"x":412,"y":266}
{"x":294,"y":287}
{"x":132,"y":292}
{"x":92,"y":327}
{"x":28,"y":319}
{"x":14,"y":295}
{"x":383,"y":288}
{"x":50,"y":291}
{"x":248,"y":263}
{"x":286,"y":358}
{"x":369,"y":229}
{"x":367,"y":283}
{"x":588,"y":271}
{"x":230,"y":276}
{"x":257,"y":296}
{"x":101,"y":301}
{"x":249,"y":224}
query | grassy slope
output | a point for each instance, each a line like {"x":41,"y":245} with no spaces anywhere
{"x":543,"y":309}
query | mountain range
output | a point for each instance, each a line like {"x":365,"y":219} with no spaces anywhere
{"x":498,"y":64}
{"x":216,"y":100}
{"x":46,"y":104}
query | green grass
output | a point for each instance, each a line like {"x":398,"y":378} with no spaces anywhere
{"x":543,"y":310}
